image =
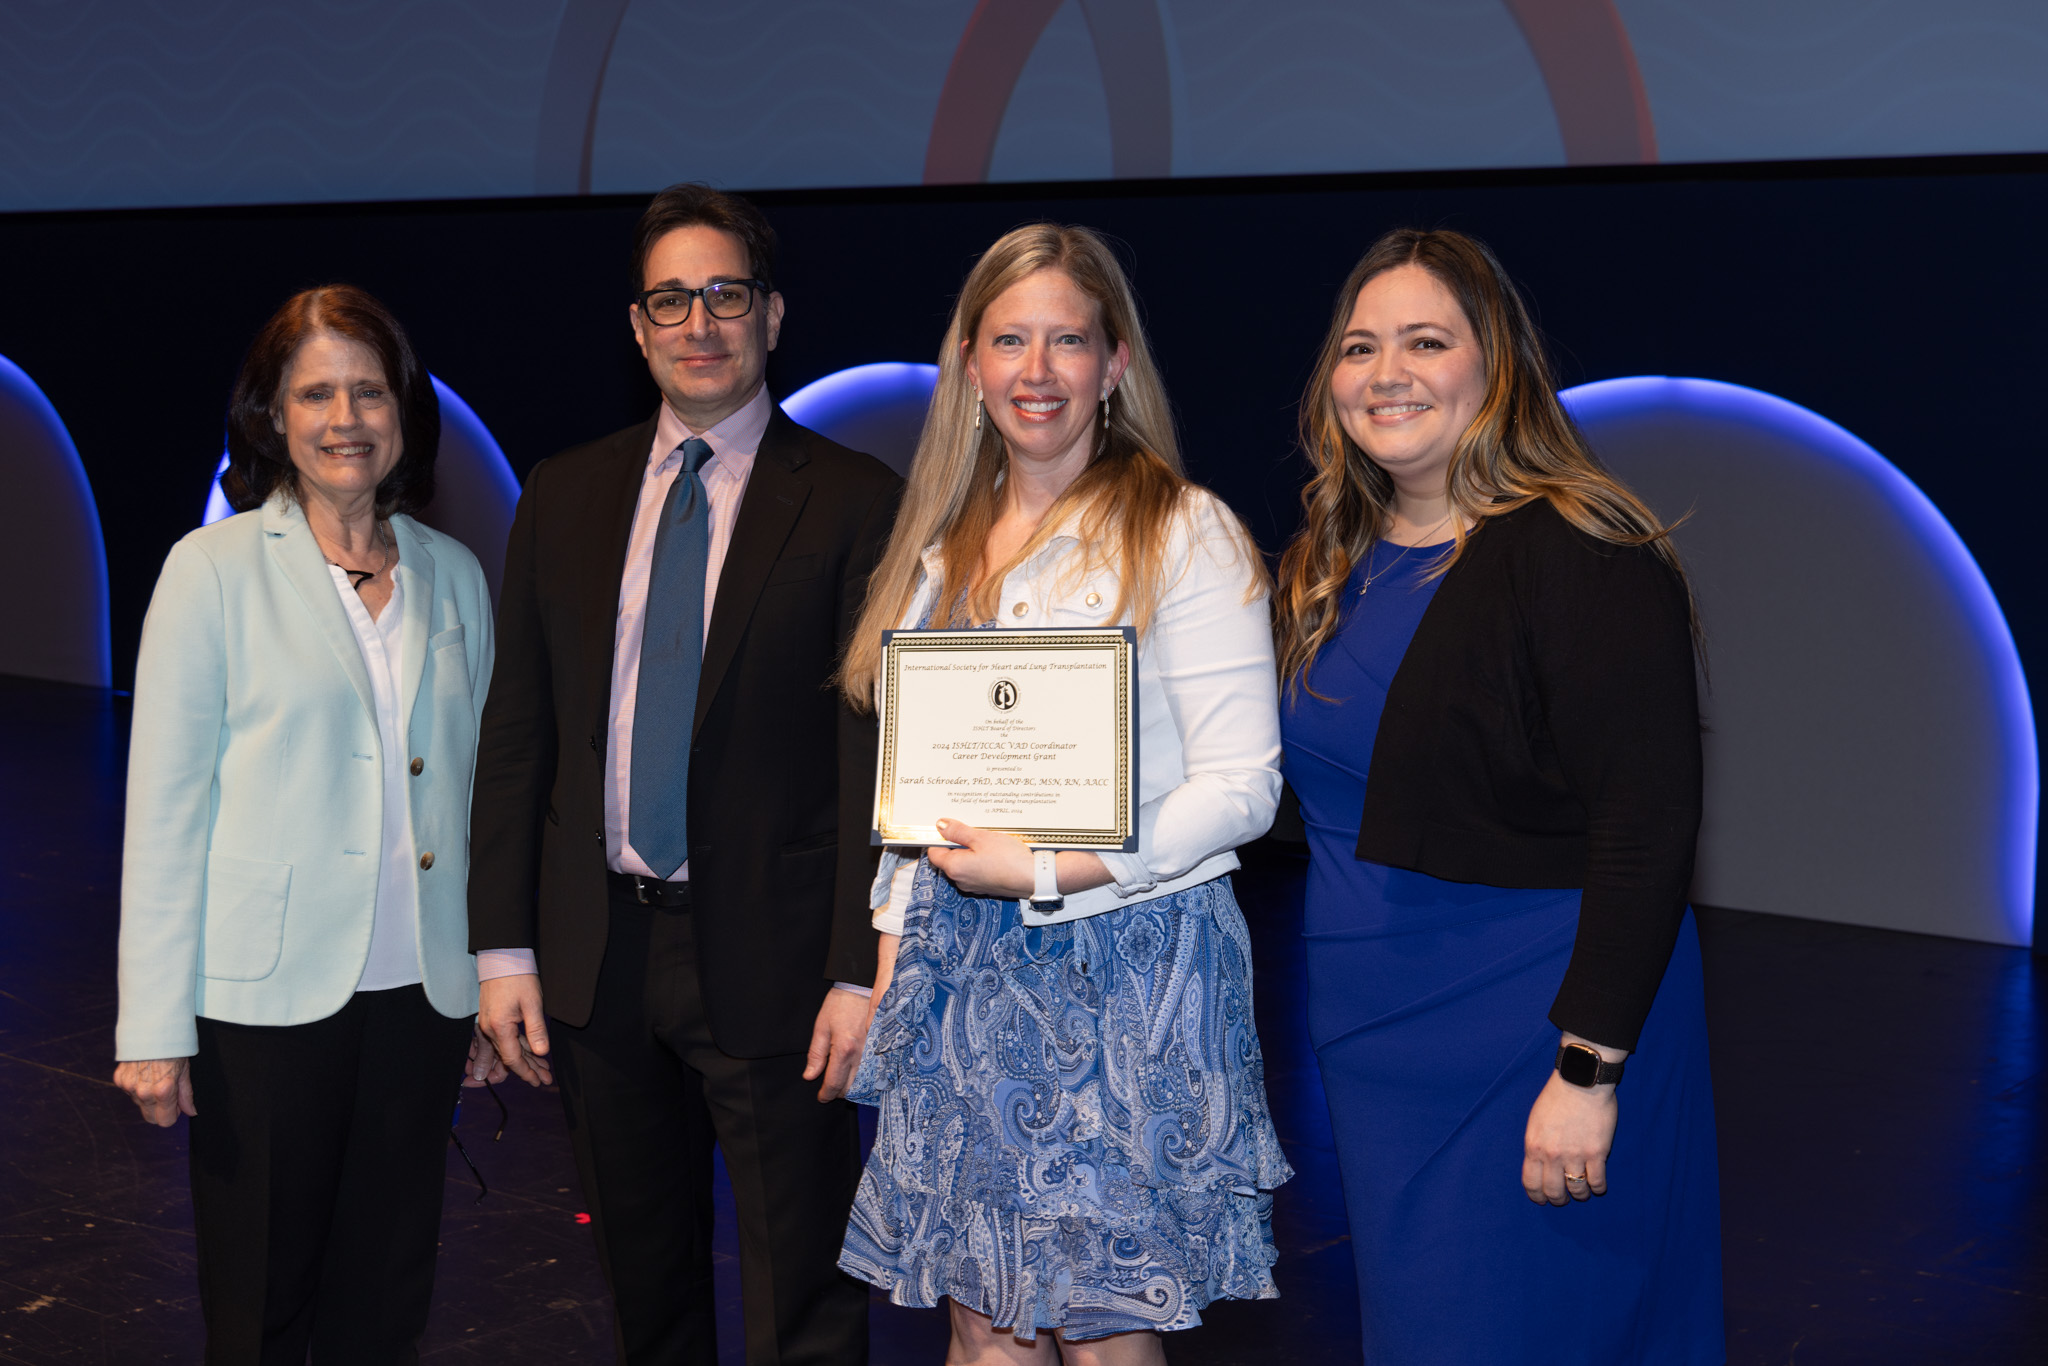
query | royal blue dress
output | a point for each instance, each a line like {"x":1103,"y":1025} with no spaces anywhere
{"x":1428,"y":1004}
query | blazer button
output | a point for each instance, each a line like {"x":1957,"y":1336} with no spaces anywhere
{"x":419,"y":766}
{"x":1020,"y":609}
{"x":426,"y":860}
{"x":1093,"y":600}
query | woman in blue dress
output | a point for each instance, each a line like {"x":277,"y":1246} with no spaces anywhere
{"x":1074,"y":1137}
{"x":1487,"y":651}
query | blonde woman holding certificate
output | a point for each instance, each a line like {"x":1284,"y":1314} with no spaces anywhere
{"x":1074,"y":1137}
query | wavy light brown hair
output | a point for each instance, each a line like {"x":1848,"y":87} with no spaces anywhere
{"x":1521,"y":446}
{"x":1127,"y":497}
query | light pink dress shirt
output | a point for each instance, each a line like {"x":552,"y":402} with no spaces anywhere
{"x":734,"y":443}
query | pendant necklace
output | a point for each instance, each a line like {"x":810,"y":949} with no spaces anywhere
{"x":358,"y":577}
{"x":1372,"y":578}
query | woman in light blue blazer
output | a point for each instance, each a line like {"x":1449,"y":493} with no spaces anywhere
{"x":293,"y":963}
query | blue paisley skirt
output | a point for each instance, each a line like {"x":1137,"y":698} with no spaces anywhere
{"x":1073,"y":1132}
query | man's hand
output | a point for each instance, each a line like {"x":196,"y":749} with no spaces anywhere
{"x":509,"y":1017}
{"x":484,"y":1067}
{"x":836,"y":1041}
{"x":161,"y":1088}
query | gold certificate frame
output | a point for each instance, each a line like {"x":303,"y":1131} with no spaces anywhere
{"x":1031,"y":732}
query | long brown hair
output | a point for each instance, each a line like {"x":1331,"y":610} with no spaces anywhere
{"x":1521,"y":446}
{"x":1127,"y":497}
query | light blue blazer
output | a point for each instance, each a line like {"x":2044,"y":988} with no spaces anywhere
{"x":255,"y":792}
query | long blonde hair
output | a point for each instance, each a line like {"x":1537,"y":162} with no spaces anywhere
{"x":1127,"y":497}
{"x":1521,"y":446}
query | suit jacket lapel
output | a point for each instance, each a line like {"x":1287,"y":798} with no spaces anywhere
{"x":615,"y":496}
{"x":775,"y":495}
{"x":297,"y":556}
{"x":416,"y":574}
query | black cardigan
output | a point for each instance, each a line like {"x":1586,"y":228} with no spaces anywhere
{"x":1543,"y":730}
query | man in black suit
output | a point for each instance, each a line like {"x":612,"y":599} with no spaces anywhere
{"x":670,"y":829}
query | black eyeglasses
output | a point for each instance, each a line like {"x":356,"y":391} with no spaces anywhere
{"x":725,"y":299}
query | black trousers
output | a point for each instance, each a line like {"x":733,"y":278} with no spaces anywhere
{"x":317,"y":1164}
{"x":648,"y":1094}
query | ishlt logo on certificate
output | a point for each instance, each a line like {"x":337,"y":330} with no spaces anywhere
{"x":1032,"y":732}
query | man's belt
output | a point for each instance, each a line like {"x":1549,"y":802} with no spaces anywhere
{"x":650,"y":891}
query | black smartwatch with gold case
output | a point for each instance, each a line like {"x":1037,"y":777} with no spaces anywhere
{"x":1583,"y":1066}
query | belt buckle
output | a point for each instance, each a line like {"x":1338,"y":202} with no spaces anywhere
{"x":640,"y":890}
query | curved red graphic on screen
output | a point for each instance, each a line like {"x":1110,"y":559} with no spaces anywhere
{"x":1596,"y":90}
{"x":1130,"y":50}
{"x":1581,"y":46}
{"x":568,"y":102}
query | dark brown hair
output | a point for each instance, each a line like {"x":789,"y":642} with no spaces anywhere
{"x":1521,"y":446}
{"x":693,"y":204}
{"x":258,"y":461}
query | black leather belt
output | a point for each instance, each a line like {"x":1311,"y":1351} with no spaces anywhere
{"x":650,"y":891}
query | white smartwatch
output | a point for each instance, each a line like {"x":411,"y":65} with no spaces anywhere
{"x":1045,"y":880}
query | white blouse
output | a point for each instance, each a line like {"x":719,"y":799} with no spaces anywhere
{"x":1208,"y":707}
{"x":394,"y":959}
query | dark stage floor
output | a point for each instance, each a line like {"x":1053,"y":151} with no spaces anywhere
{"x":1883,"y":1127}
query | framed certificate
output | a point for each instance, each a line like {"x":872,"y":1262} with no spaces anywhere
{"x":1031,"y":732}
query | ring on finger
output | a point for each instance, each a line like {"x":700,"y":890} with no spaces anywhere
{"x":1575,"y":1176}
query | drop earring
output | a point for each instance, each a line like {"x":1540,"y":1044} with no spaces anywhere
{"x":1105,"y":408}
{"x":977,"y":410}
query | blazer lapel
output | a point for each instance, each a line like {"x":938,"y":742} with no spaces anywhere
{"x":774,"y":498}
{"x":416,"y":577}
{"x":615,"y":496}
{"x":297,"y":555}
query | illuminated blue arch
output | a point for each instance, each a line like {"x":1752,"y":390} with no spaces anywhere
{"x":475,"y":490}
{"x":878,"y":408}
{"x":1871,"y":749}
{"x":54,"y":622}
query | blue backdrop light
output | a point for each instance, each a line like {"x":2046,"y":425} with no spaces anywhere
{"x":54,"y":624}
{"x":876,"y":408}
{"x":1871,"y":746}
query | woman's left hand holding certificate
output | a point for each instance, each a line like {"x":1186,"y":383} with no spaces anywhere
{"x":990,"y":863}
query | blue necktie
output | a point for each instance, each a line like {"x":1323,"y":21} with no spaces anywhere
{"x":671,"y":653}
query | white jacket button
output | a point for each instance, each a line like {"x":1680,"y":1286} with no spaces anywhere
{"x":1093,"y":599}
{"x":1020,"y":609}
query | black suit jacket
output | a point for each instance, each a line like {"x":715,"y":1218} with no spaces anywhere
{"x":781,"y":770}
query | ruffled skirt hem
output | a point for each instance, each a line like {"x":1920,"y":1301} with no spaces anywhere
{"x":1076,"y":1276}
{"x":1073,"y":1130}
